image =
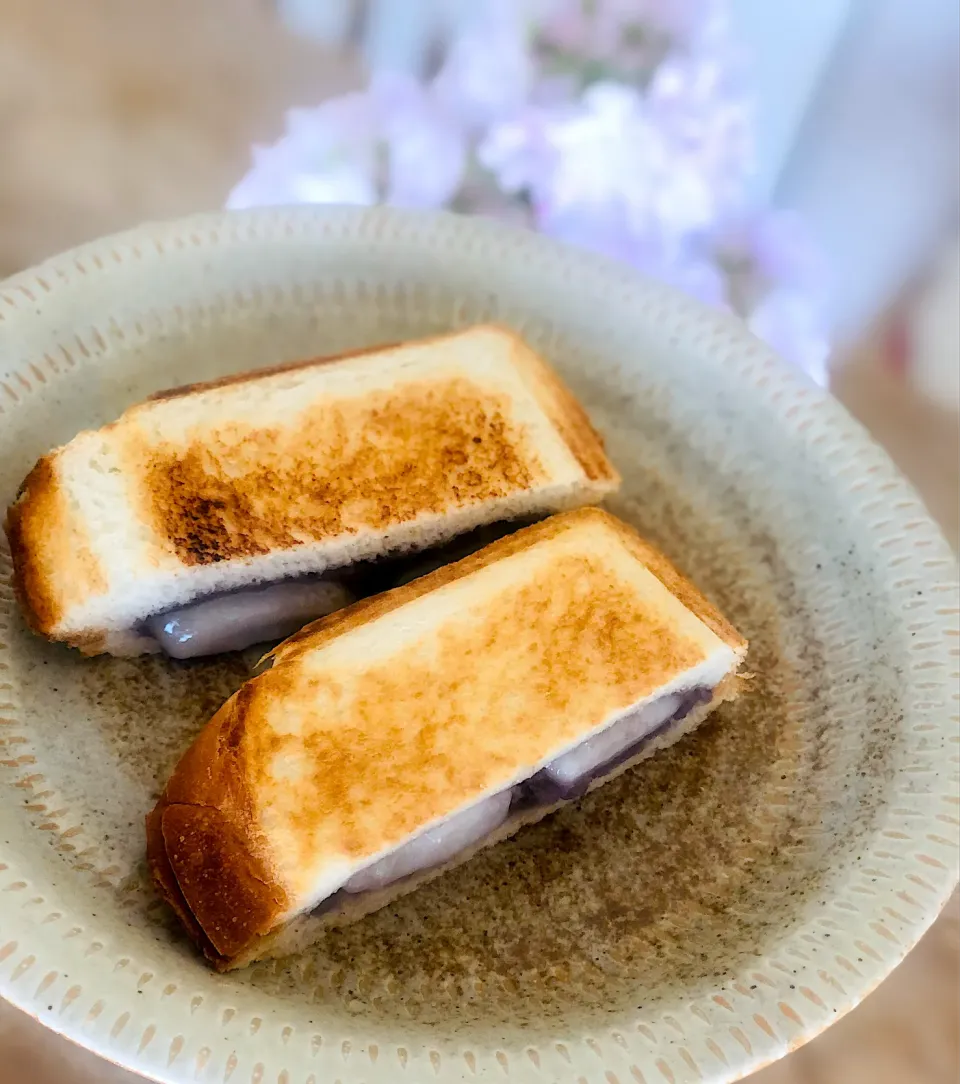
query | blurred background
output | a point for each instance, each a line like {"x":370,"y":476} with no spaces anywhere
{"x":796,"y":162}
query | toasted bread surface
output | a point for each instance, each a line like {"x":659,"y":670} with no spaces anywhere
{"x":394,"y":713}
{"x":244,"y":489}
{"x":307,"y":928}
{"x":291,"y":470}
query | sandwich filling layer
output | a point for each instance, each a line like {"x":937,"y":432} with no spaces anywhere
{"x":234,"y":620}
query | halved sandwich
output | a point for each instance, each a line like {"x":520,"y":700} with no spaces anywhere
{"x":394,"y":739}
{"x":220,"y":515}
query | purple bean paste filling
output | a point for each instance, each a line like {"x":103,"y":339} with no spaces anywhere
{"x":366,"y":578}
{"x":542,"y":789}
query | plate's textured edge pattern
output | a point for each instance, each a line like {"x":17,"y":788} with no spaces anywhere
{"x":120,"y":1008}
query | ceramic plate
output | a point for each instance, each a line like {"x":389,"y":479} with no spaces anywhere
{"x":697,"y":918}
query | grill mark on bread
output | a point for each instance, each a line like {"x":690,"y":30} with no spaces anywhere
{"x":384,"y":756}
{"x":353,"y":464}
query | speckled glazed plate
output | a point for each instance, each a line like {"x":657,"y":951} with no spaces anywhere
{"x":693,"y":920}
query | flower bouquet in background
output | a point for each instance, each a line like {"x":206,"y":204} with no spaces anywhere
{"x":618,"y":125}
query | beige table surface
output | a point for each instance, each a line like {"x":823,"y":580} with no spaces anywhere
{"x":113,"y":111}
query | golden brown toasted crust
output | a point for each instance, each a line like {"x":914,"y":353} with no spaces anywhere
{"x":450,"y":721}
{"x":202,"y":843}
{"x":367,"y":462}
{"x":53,"y":566}
{"x":227,"y":762}
{"x":319,"y":632}
{"x":558,"y":402}
{"x":166,"y":880}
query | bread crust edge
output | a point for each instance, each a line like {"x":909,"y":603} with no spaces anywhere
{"x":203,"y":848}
{"x":51,"y":557}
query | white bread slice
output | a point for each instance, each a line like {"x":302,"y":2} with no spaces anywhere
{"x":295,"y":470}
{"x":377,"y":723}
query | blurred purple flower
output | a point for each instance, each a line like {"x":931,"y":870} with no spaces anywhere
{"x":488,"y":70}
{"x":697,"y":277}
{"x":325,"y":156}
{"x":696,"y":97}
{"x":519,"y":152}
{"x":362,"y":148}
{"x":425,"y":149}
{"x":612,"y":30}
{"x":600,"y":228}
{"x":594,"y":31}
{"x":606,"y":150}
{"x":634,"y":141}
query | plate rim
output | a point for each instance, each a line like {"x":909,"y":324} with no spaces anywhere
{"x":788,"y":393}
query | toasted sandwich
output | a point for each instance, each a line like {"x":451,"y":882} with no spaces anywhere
{"x":392,"y":740}
{"x":220,"y":515}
